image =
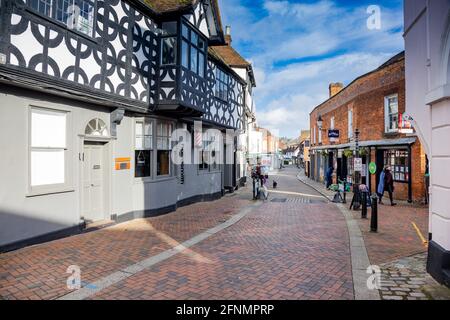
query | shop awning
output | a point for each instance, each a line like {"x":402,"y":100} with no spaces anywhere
{"x":371,"y":143}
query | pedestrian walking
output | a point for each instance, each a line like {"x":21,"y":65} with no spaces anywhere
{"x":380,"y":189}
{"x":388,"y":181}
{"x":329,"y":177}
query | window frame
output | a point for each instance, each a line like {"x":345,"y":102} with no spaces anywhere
{"x":190,"y":44}
{"x":397,"y":154}
{"x":53,"y":18}
{"x":350,"y":116}
{"x":221,"y":82}
{"x":67,"y":186}
{"x":387,"y":114}
{"x":144,"y":120}
{"x":170,"y":147}
{"x":208,"y":168}
{"x":175,"y":60}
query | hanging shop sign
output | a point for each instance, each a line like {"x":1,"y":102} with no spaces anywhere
{"x":405,"y":123}
{"x":123,"y":164}
{"x":358,"y":164}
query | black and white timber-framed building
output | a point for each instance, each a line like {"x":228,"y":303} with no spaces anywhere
{"x":90,"y":92}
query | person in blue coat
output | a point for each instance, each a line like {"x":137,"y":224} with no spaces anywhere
{"x":380,"y":189}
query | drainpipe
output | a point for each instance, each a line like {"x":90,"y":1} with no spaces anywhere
{"x":410,"y":175}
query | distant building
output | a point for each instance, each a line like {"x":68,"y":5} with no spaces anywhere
{"x":373,"y":104}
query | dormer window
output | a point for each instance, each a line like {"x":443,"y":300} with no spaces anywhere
{"x":193,"y":50}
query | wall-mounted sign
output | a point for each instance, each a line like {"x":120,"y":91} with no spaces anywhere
{"x":123,"y":164}
{"x":333,"y":134}
{"x":358,"y":165}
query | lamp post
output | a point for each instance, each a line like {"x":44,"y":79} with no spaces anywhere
{"x":357,"y":175}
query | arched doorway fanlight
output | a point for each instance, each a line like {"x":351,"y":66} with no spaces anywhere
{"x":96,"y":127}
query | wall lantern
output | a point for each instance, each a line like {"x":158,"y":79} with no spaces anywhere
{"x":320,"y":122}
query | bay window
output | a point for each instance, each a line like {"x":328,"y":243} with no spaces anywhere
{"x":77,"y":15}
{"x":391,"y":113}
{"x":193,"y":51}
{"x":143,"y":148}
{"x":48,"y":148}
{"x":168,"y":51}
{"x":164,"y":146}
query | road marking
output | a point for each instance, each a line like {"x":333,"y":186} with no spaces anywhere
{"x":424,"y":241}
{"x":107,"y":281}
{"x":295,"y":193}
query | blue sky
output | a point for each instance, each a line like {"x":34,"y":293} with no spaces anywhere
{"x":299,"y":47}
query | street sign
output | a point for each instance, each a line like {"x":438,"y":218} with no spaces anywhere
{"x":358,"y":165}
{"x":373,"y":168}
{"x":333,"y":133}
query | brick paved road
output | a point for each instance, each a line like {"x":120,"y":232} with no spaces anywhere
{"x":291,"y":249}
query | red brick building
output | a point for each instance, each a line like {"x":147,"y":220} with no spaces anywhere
{"x":371,"y":104}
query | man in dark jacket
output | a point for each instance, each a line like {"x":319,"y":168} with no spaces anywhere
{"x":389,"y":184}
{"x":329,"y":177}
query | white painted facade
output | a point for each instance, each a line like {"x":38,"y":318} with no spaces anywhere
{"x":427,"y":43}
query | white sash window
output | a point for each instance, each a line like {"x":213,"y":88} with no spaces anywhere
{"x":48,"y":148}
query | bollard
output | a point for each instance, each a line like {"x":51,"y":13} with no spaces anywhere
{"x":364,"y":206}
{"x":374,"y":216}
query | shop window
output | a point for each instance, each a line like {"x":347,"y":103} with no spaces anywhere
{"x":398,"y":161}
{"x":48,"y":149}
{"x":143,"y":148}
{"x":208,"y":155}
{"x":164,"y":146}
{"x":391,"y":113}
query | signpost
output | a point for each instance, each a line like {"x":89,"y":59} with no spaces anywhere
{"x":358,"y":164}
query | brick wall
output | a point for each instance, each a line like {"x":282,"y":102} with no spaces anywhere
{"x":366,"y":98}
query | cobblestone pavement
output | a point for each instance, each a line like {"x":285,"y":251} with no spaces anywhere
{"x":293,"y":248}
{"x":407,"y":279}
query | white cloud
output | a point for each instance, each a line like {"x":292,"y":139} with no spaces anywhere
{"x":299,"y":48}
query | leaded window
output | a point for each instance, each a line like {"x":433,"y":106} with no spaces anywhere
{"x":221,"y":88}
{"x":77,"y":15}
{"x":193,"y":51}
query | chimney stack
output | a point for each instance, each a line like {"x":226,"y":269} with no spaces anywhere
{"x":335,"y":88}
{"x":228,"y":35}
